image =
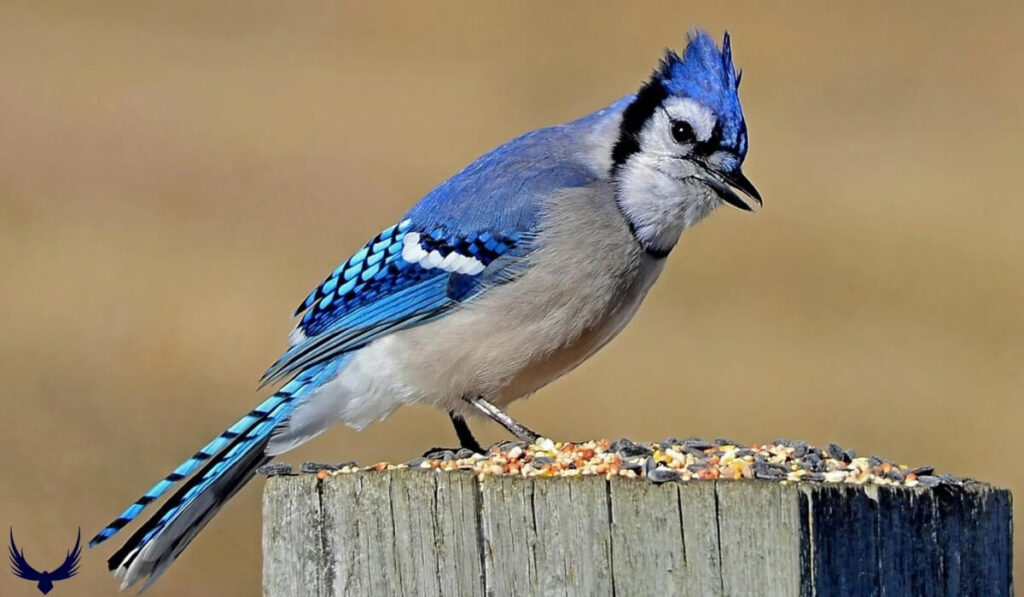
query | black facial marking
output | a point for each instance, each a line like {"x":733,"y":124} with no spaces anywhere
{"x":713,"y":144}
{"x":634,"y":117}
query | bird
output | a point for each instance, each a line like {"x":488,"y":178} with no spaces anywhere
{"x":501,"y":279}
{"x":44,"y":580}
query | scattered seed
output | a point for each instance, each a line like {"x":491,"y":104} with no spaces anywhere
{"x":895,"y":474}
{"x":768,"y":470}
{"x":686,"y":460}
{"x":619,"y":444}
{"x":631,"y":465}
{"x":443,"y":455}
{"x":546,"y":445}
{"x":667,"y":443}
{"x":662,"y":474}
{"x":634,"y":451}
{"x":314,"y":467}
{"x":539,"y":461}
{"x":275,"y":469}
{"x":836,"y":452}
{"x":697,"y":444}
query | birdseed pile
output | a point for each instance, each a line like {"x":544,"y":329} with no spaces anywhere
{"x":673,"y":459}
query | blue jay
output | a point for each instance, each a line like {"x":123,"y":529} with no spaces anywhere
{"x":506,"y":276}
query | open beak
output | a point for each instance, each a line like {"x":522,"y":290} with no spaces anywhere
{"x":720,"y":182}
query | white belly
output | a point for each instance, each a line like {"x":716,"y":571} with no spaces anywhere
{"x":504,"y":348}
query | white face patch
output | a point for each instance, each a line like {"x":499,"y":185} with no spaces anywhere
{"x":659,"y":190}
{"x":687,"y":110}
{"x":662,"y":196}
{"x":455,"y":263}
{"x":656,"y":137}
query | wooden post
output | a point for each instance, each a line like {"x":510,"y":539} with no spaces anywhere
{"x":415,"y":532}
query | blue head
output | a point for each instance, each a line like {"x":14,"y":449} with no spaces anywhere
{"x":681,"y":143}
{"x":706,"y":76}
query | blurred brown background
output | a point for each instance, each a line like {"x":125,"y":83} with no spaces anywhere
{"x":174,"y":177}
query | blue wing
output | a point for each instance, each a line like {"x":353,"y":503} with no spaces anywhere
{"x":405,"y":276}
{"x":465,"y":236}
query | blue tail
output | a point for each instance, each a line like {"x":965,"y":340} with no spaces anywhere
{"x":186,"y":468}
{"x":233,"y":458}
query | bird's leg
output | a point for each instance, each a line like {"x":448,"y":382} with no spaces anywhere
{"x":522,"y":432}
{"x":466,"y":439}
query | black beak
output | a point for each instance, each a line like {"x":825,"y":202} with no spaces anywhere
{"x":735,"y":179}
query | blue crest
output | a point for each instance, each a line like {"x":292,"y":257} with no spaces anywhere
{"x":706,"y":74}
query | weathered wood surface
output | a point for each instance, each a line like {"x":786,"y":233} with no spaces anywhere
{"x":412,"y":532}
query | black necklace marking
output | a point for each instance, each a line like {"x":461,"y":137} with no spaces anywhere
{"x":655,"y":253}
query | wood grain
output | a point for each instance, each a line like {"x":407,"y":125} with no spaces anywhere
{"x":412,"y":532}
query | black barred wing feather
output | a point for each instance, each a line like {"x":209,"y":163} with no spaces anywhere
{"x":404,"y":277}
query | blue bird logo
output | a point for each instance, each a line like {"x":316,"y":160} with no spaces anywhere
{"x":44,"y":580}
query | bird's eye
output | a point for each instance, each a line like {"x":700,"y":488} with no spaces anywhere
{"x":682,"y":132}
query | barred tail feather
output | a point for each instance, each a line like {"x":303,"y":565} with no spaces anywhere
{"x":189,"y":466}
{"x":242,"y":449}
{"x":155,"y":546}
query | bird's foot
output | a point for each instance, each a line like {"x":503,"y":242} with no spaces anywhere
{"x":522,"y":432}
